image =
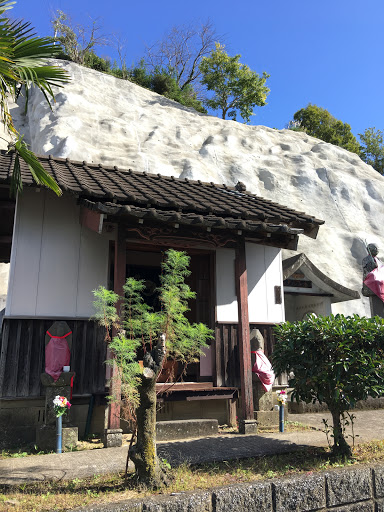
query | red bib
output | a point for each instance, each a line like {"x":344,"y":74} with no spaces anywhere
{"x":57,"y":355}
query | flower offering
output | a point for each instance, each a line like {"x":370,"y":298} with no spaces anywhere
{"x":60,"y":405}
{"x":281,"y":396}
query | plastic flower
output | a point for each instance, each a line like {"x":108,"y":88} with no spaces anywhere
{"x":60,"y":405}
{"x":281,"y":396}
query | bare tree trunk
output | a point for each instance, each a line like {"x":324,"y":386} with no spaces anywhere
{"x":340,"y":446}
{"x":143,"y":453}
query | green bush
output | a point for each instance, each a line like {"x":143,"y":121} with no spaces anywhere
{"x":93,"y":61}
{"x":334,"y":360}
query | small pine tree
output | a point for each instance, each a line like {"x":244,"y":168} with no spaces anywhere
{"x":161,"y":335}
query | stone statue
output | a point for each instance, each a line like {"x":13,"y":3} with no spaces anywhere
{"x":369,"y":263}
{"x":58,"y":345}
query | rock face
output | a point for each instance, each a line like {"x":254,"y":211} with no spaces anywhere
{"x":101,"y":119}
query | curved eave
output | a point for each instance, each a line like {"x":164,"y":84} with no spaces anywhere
{"x":339,"y":293}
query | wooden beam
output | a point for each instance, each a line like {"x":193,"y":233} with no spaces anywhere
{"x":244,"y":333}
{"x":119,"y":280}
{"x":91,"y":219}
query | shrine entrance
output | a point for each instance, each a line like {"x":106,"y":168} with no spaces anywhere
{"x":144,"y":263}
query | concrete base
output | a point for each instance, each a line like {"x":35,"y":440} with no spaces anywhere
{"x":268,"y":418}
{"x":46,"y":437}
{"x":113,"y":437}
{"x":224,"y":411}
{"x":248,"y":427}
{"x":184,"y":429}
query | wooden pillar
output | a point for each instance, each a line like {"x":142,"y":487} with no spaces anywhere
{"x":119,"y":281}
{"x":244,"y":333}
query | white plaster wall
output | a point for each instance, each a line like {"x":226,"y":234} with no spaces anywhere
{"x":264,"y":272}
{"x":226,"y":310}
{"x":296,"y":306}
{"x":4,"y":274}
{"x":321,"y":306}
{"x":55,"y":262}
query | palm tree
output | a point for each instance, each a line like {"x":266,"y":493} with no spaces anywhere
{"x":22,"y":65}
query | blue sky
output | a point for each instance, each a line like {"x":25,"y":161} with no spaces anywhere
{"x":329,"y":53}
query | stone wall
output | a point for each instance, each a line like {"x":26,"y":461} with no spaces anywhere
{"x":356,"y":489}
{"x":20,"y":418}
{"x":302,"y":407}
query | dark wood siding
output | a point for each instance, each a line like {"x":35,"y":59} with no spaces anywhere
{"x":22,"y":356}
{"x":227,"y":362}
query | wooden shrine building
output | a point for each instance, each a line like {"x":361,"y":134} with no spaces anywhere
{"x":112,"y":223}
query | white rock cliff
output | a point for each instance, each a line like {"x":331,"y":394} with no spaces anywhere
{"x":102,"y":119}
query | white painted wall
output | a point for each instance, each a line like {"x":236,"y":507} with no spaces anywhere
{"x":226,"y":310}
{"x":264,"y":272}
{"x":4,"y":274}
{"x":297,"y":306}
{"x":55,"y":262}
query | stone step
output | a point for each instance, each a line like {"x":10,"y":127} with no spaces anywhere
{"x":184,"y":429}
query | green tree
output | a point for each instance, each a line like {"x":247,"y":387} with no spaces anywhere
{"x":372,"y":148}
{"x":23,"y":65}
{"x":334,"y":360}
{"x":235,"y":86}
{"x":319,"y":123}
{"x":160,"y":335}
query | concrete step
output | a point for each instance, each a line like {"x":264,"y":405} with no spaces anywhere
{"x":185,"y":429}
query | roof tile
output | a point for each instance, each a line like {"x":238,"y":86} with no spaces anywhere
{"x":196,"y":202}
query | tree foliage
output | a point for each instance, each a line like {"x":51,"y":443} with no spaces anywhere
{"x":162,"y":82}
{"x":372,"y":148}
{"x":236,"y":88}
{"x":334,"y":360}
{"x":79,"y":43}
{"x":159,"y":335}
{"x":23,"y":65}
{"x":319,"y":123}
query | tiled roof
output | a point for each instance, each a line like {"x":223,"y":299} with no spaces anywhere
{"x":166,"y":198}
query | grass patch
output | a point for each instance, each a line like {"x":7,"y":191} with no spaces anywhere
{"x":92,"y":443}
{"x":61,"y":496}
{"x":289,"y":426}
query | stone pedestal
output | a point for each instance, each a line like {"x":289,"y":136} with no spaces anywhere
{"x":247,"y":427}
{"x":46,"y":437}
{"x":46,"y":434}
{"x":266,"y":414}
{"x":61,"y":387}
{"x":377,"y":306}
{"x":264,"y":402}
{"x":113,"y":437}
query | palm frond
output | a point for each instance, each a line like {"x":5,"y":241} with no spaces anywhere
{"x":5,"y":5}
{"x":39,"y":174}
{"x":23,"y":59}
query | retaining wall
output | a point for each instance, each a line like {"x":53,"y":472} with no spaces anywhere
{"x":355,"y":489}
